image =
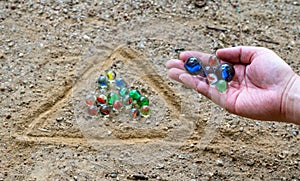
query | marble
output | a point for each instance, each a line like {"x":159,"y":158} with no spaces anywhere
{"x":123,"y":91}
{"x":135,"y":104}
{"x":92,"y":110}
{"x":212,"y":78}
{"x":213,"y":61}
{"x":90,"y":100}
{"x":135,"y":94}
{"x":117,"y":105}
{"x":111,"y":75}
{"x":101,"y":99}
{"x":143,"y":101}
{"x":225,"y":72}
{"x":104,"y":110}
{"x":112,"y":97}
{"x":134,"y":113}
{"x":127,"y":100}
{"x":102,"y":82}
{"x":209,"y":69}
{"x":194,"y":67}
{"x":145,"y":111}
{"x":221,"y":86}
{"x":120,"y":83}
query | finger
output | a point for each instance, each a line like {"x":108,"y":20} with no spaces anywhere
{"x":174,"y":63}
{"x":174,"y":74}
{"x":240,"y":54}
{"x":189,"y":81}
{"x":202,"y":56}
{"x":203,"y":88}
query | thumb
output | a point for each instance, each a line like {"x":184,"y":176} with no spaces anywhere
{"x":240,"y":54}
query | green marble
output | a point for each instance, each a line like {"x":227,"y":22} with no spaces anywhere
{"x":221,"y":85}
{"x":123,"y":91}
{"x":112,"y":97}
{"x":135,"y":94}
{"x":143,"y":101}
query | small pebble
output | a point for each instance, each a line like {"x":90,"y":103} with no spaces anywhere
{"x":222,"y":36}
{"x":138,"y":177}
{"x":181,"y":156}
{"x":85,"y":37}
{"x":113,"y":175}
{"x":295,"y":132}
{"x":219,"y":163}
{"x":10,"y":44}
{"x":160,"y":166}
{"x":65,"y":10}
{"x":60,"y":119}
{"x":250,"y":163}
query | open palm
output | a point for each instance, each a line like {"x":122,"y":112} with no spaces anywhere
{"x":257,"y":88}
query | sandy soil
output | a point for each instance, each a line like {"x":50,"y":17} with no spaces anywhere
{"x":52,"y":52}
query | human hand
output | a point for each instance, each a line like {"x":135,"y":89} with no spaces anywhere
{"x":257,"y":90}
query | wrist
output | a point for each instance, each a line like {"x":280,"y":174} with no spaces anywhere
{"x":290,"y":105}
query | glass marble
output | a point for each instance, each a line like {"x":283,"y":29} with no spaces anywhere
{"x":194,"y":67}
{"x":120,"y":83}
{"x":101,"y":99}
{"x":90,"y":100}
{"x":143,"y":101}
{"x":213,"y":61}
{"x":209,"y":69}
{"x":117,"y":105}
{"x":135,"y":94}
{"x":145,"y":111}
{"x":112,"y":97}
{"x":123,"y":91}
{"x":111,"y":75}
{"x":104,"y":110}
{"x":212,"y":78}
{"x":135,"y":104}
{"x":102,"y":82}
{"x":134,"y":113}
{"x":225,"y":72}
{"x":221,"y":85}
{"x":92,"y":110}
{"x":127,"y":100}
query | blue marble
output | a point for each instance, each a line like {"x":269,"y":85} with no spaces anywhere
{"x":120,"y":83}
{"x":102,"y":82}
{"x":225,"y":72}
{"x":194,"y":67}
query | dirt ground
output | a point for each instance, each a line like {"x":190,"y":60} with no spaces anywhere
{"x":53,"y":51}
